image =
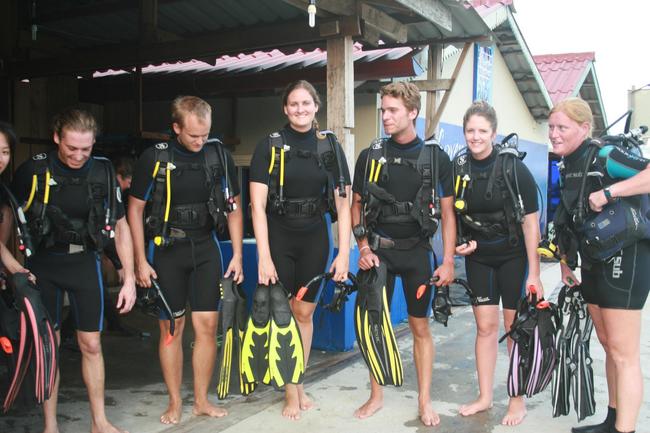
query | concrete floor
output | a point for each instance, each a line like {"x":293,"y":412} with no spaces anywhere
{"x":338,"y":382}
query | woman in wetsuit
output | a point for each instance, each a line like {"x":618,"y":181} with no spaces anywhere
{"x":293,"y":237}
{"x":500,"y":255}
{"x":615,"y":289}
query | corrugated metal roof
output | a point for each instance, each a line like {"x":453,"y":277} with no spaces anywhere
{"x":563,"y":73}
{"x":262,"y":61}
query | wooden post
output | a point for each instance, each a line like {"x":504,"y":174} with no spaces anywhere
{"x":340,"y":93}
{"x":340,"y":97}
{"x":433,"y":73}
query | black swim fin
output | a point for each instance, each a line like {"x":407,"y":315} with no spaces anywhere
{"x":373,"y":328}
{"x":37,"y":348}
{"x":255,"y":345}
{"x":232,"y":322}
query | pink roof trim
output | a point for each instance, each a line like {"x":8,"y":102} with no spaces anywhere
{"x":561,"y":72}
{"x":485,"y":7}
{"x":260,"y":60}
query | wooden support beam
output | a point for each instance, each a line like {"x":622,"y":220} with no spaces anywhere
{"x":88,"y":9}
{"x":342,"y":26}
{"x":434,"y":85}
{"x":287,"y":34}
{"x":432,"y":10}
{"x":148,"y":20}
{"x":454,"y":76}
{"x":340,"y":92}
{"x":383,"y":23}
{"x":337,"y":7}
{"x":434,"y":67}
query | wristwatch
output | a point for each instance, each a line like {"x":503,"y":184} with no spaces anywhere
{"x":608,"y":195}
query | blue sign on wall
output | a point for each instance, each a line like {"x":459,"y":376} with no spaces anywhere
{"x":483,"y":71}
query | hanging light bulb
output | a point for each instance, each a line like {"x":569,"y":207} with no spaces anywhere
{"x":311,"y":11}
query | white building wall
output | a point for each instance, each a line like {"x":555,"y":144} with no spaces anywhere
{"x":512,"y":113}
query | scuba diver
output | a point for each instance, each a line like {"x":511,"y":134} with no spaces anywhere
{"x":498,"y":226}
{"x":73,"y":209}
{"x":603,"y":219}
{"x":123,"y":172}
{"x":181,"y":192}
{"x":298,"y":175}
{"x":402,"y":187}
{"x":8,"y":143}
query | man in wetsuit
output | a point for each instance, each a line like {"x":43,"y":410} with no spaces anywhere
{"x":192,"y":188}
{"x":411,"y":255}
{"x":70,"y":214}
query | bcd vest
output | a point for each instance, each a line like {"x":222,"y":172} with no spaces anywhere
{"x":48,"y":224}
{"x":597,"y":235}
{"x":327,"y":157}
{"x":379,"y":206}
{"x":164,"y":221}
{"x":505,"y":222}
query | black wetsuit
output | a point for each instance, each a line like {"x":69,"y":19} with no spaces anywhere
{"x":191,"y":267}
{"x":414,"y":265}
{"x":301,"y":247}
{"x":65,"y":266}
{"x":496,"y":270}
{"x":622,"y":280}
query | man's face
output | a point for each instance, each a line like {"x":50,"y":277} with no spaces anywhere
{"x":75,"y":147}
{"x":193,"y":133}
{"x":395,"y":117}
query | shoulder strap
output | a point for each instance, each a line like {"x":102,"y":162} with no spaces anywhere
{"x":102,"y":190}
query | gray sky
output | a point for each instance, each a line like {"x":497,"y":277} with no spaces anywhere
{"x":617,"y":31}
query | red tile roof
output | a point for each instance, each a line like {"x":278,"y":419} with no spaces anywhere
{"x":562,"y":73}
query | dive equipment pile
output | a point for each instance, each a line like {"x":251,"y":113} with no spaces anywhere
{"x":272,"y":350}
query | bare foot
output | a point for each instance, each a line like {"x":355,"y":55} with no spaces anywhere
{"x":106,"y":427}
{"x":173,"y":413}
{"x":306,"y":403}
{"x":208,"y":409}
{"x":369,"y":408}
{"x":476,"y":406}
{"x":291,"y":409}
{"x":428,"y":416}
{"x":516,"y":412}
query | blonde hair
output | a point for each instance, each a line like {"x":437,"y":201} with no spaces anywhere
{"x":74,"y":119}
{"x":576,"y":109}
{"x":404,"y":90}
{"x":184,"y":105}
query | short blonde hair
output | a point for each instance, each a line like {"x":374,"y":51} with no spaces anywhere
{"x":184,"y":105}
{"x":577,"y":110}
